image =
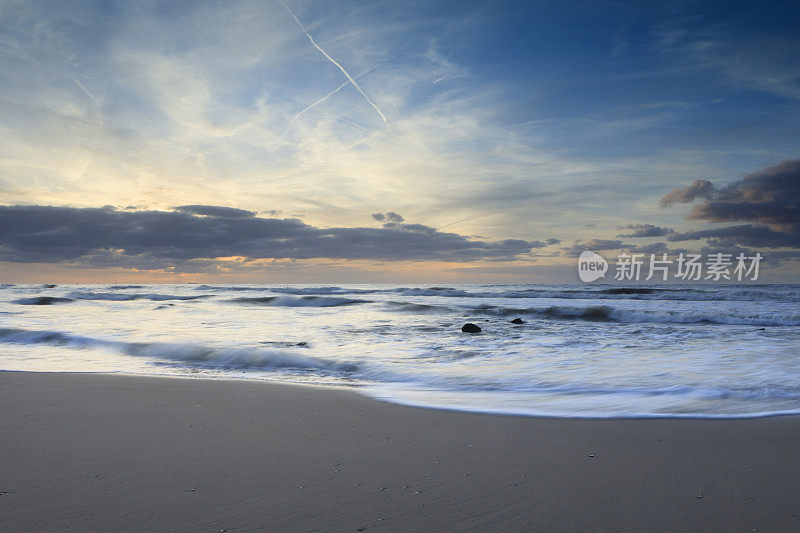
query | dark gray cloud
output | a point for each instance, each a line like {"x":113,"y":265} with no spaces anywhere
{"x":768,"y":201}
{"x":770,"y":213}
{"x":390,"y":216}
{"x":744,"y":234}
{"x":698,"y":189}
{"x":646,"y":230}
{"x":593,"y":245}
{"x":215,"y":211}
{"x":189,"y":233}
{"x":538,"y":244}
{"x":411,"y":227}
{"x":656,"y":248}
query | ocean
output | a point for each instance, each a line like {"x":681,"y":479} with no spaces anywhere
{"x":707,"y":351}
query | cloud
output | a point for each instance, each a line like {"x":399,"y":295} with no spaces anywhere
{"x":745,"y":234}
{"x":215,"y":211}
{"x":391,"y":217}
{"x":605,"y":244}
{"x":593,"y":245}
{"x":646,"y":230}
{"x":657,"y":248}
{"x":698,"y":189}
{"x":158,"y":239}
{"x":411,"y":227}
{"x":768,"y":200}
{"x":770,"y":196}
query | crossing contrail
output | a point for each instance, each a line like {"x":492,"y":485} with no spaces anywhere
{"x":336,"y":90}
{"x":315,"y":104}
{"x":332,"y":60}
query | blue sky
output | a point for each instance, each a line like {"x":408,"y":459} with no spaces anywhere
{"x":503,"y":121}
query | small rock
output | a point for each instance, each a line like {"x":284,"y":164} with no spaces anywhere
{"x":517,"y":321}
{"x":469,"y":327}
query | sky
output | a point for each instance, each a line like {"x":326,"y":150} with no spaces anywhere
{"x":346,"y":141}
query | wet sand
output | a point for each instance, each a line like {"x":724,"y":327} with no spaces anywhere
{"x":94,"y":452}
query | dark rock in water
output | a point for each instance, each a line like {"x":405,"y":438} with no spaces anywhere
{"x":517,"y":321}
{"x":470,"y":328}
{"x":49,"y":285}
{"x":43,"y":300}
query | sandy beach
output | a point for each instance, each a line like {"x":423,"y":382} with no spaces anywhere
{"x":94,"y":452}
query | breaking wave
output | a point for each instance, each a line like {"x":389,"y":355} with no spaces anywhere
{"x":115,"y":297}
{"x":225,"y":358}
{"x":410,"y":307}
{"x":305,"y":301}
{"x":582,"y":292}
{"x":604,"y":313}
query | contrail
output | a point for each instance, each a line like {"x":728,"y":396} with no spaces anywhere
{"x":332,"y":60}
{"x":440,"y":79}
{"x":336,"y":90}
{"x":87,"y":92}
{"x":315,"y":104}
{"x":451,"y":223}
{"x":440,"y":228}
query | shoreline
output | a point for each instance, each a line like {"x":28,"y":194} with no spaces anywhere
{"x":413,"y":405}
{"x":121,"y":451}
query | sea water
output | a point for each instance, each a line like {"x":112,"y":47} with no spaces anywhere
{"x":583,"y":350}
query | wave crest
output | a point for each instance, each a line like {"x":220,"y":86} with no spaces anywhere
{"x":305,"y":301}
{"x":605,"y":313}
{"x":210,"y":357}
{"x":118,"y":297}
